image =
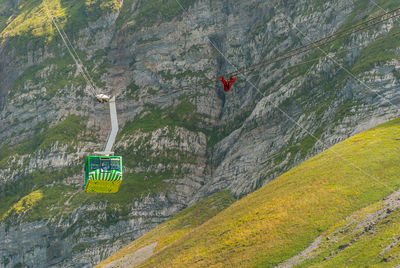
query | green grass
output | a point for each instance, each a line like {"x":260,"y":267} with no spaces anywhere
{"x":133,"y":187}
{"x":32,"y":19}
{"x":7,"y":11}
{"x":195,"y":48}
{"x":360,"y":13}
{"x":281,"y":219}
{"x":303,"y":147}
{"x":63,"y":133}
{"x":96,"y":8}
{"x":185,"y":74}
{"x":379,"y":51}
{"x":353,"y":246}
{"x":131,"y":90}
{"x":15,"y":195}
{"x":62,"y":75}
{"x":184,"y":115}
{"x":376,"y":52}
{"x":151,"y":12}
{"x":386,"y":5}
{"x":140,"y":154}
{"x":217,"y":134}
{"x":24,"y":204}
{"x":181,"y":224}
{"x":54,"y":193}
{"x":301,"y":69}
{"x":53,"y":201}
{"x":147,"y":41}
{"x":22,"y":197}
{"x":31,"y":28}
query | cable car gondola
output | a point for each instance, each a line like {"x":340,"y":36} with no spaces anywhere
{"x":103,"y":174}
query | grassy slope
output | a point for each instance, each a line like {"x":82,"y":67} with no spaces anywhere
{"x":375,"y":243}
{"x":31,"y":16}
{"x":184,"y":222}
{"x":284,"y":217}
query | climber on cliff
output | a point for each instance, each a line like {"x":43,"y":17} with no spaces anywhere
{"x":228,"y":84}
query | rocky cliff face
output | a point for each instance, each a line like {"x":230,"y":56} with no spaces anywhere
{"x":181,"y":140}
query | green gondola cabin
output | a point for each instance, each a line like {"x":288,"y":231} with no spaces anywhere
{"x":103,"y":174}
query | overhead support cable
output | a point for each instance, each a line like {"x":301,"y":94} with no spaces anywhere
{"x":317,"y":44}
{"x":71,"y":50}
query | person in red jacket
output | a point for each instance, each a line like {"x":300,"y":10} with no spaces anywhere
{"x":228,"y":84}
